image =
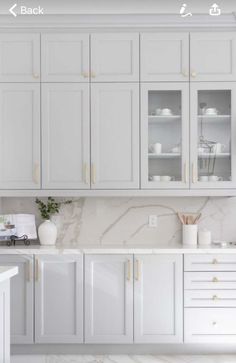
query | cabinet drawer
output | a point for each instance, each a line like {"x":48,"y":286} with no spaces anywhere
{"x":210,"y":325}
{"x":212,"y":262}
{"x":210,"y":298}
{"x":209,"y":280}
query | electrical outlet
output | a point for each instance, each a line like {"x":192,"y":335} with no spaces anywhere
{"x":152,"y":221}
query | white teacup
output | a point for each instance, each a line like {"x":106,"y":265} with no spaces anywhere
{"x":156,"y":148}
{"x":166,"y":112}
{"x":211,"y":111}
{"x":155,"y":178}
{"x":166,"y":178}
{"x":214,"y":178}
{"x":175,"y":149}
{"x":203,"y":178}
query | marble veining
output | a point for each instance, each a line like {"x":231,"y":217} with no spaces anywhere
{"x":124,"y":359}
{"x":124,"y":221}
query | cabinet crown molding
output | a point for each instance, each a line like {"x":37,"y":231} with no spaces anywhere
{"x":149,"y":21}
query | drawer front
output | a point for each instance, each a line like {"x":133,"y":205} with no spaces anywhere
{"x":210,"y":325}
{"x":211,"y":262}
{"x":210,"y":298}
{"x":209,"y":280}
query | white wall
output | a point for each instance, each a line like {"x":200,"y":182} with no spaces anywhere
{"x":121,"y":6}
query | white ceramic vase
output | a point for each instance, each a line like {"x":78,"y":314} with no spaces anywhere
{"x":47,"y":232}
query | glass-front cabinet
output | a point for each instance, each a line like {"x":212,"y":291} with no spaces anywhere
{"x":165,"y":135}
{"x":213,"y":135}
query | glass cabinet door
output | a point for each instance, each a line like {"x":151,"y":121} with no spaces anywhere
{"x":213,"y":135}
{"x":165,"y":136}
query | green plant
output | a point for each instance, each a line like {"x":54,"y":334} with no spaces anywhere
{"x":50,"y":207}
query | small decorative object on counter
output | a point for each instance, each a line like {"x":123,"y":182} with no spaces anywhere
{"x":189,"y":228}
{"x":204,"y":237}
{"x":47,"y":230}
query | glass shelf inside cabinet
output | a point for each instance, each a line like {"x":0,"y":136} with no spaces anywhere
{"x":164,"y":136}
{"x":214,"y":135}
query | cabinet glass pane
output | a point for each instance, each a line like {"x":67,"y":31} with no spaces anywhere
{"x":164,"y":136}
{"x":214,"y":135}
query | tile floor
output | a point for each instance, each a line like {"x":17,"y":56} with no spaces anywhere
{"x":124,"y":359}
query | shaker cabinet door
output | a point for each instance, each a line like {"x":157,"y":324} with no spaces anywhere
{"x":115,"y":57}
{"x":21,"y":298}
{"x":115,"y":136}
{"x":59,"y":299}
{"x":19,"y":57}
{"x":108,"y":299}
{"x":65,"y":57}
{"x":65,"y":136}
{"x":158,"y":299}
{"x":164,"y":57}
{"x":213,"y":56}
{"x":20,"y":136}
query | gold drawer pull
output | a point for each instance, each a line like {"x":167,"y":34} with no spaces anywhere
{"x":214,"y":261}
{"x":128,"y":270}
{"x":215,"y":279}
{"x":137,"y":270}
{"x":214,"y":297}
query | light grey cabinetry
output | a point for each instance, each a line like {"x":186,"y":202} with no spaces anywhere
{"x":164,"y":57}
{"x":19,"y":57}
{"x":65,"y":136}
{"x":59,"y":299}
{"x":158,"y":298}
{"x":65,"y":57}
{"x":115,"y":136}
{"x":20,"y":136}
{"x":115,"y":57}
{"x":5,"y":321}
{"x":213,"y":56}
{"x":109,"y":299}
{"x":22,"y":298}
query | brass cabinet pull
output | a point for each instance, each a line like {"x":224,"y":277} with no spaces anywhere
{"x":215,"y":279}
{"x":128,"y":270}
{"x":85,"y":173}
{"x":193,"y":74}
{"x":37,"y":270}
{"x":93,"y":173}
{"x":36,"y":173}
{"x":137,"y":277}
{"x":28,"y":271}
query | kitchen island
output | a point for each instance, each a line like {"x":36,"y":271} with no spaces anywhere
{"x":6,"y":272}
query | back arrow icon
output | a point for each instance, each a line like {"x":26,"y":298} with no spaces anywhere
{"x":12,"y":10}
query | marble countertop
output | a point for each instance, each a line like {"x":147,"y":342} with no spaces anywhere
{"x":6,"y":272}
{"x":115,"y":249}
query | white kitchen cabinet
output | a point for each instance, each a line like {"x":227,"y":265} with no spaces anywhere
{"x":59,"y":299}
{"x":20,"y":136}
{"x":19,"y":57}
{"x":213,"y":56}
{"x":5,"y":321}
{"x":164,"y":57}
{"x":158,"y":298}
{"x":65,"y":57}
{"x":65,"y":136}
{"x":165,"y":135}
{"x":114,"y":57}
{"x":115,"y":136}
{"x":213,"y":135}
{"x":108,"y":298}
{"x":21,"y":298}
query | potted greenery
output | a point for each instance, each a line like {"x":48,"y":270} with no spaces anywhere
{"x":47,"y":230}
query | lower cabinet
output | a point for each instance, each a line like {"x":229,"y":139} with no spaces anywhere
{"x":109,"y":299}
{"x":158,"y":298}
{"x":58,"y":299}
{"x":21,"y":298}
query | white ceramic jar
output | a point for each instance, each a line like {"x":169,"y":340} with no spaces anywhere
{"x":190,"y":234}
{"x":47,"y":232}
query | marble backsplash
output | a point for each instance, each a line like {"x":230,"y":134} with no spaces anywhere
{"x":124,"y":221}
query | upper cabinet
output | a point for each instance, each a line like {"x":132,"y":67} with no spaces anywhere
{"x":65,"y":57}
{"x":164,"y":57}
{"x":115,"y":57}
{"x":20,"y":57}
{"x":115,"y":136}
{"x":65,"y":136}
{"x":20,"y":136}
{"x":213,"y":56}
